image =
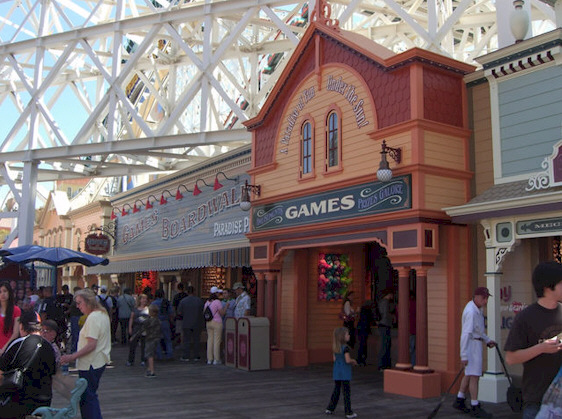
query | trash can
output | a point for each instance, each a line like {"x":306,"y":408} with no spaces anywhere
{"x":230,"y":342}
{"x":253,"y":343}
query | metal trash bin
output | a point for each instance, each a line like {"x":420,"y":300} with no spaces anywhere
{"x":231,"y":342}
{"x":253,"y":343}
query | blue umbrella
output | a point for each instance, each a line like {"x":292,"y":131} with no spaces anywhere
{"x":20,"y":249}
{"x":56,"y":256}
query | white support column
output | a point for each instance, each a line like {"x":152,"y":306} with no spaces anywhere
{"x":26,"y":218}
{"x":493,"y":384}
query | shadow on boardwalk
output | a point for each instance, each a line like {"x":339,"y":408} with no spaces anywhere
{"x":197,"y":390}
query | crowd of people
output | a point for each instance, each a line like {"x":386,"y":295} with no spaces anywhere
{"x":44,"y":332}
{"x":47,"y":331}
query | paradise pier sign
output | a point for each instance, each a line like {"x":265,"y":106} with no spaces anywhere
{"x":354,"y":201}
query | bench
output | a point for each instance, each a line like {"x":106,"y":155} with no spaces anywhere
{"x":67,"y":412}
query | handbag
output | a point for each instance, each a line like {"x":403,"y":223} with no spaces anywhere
{"x":13,"y":379}
{"x":514,"y":394}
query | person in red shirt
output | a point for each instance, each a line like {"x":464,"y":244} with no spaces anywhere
{"x":9,"y":316}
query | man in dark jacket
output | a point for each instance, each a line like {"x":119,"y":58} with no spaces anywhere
{"x":190,"y":310}
{"x":37,"y":382}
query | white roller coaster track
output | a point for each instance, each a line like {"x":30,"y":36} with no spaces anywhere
{"x":98,"y":88}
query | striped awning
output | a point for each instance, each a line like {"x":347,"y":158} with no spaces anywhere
{"x":229,"y":258}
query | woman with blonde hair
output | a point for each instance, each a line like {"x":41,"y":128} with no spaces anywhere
{"x":94,"y":347}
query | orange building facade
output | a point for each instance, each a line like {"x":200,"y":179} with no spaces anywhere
{"x":323,"y":225}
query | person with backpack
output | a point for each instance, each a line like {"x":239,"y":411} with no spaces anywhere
{"x":165,"y":315}
{"x":213,"y":321}
{"x":125,"y":306}
{"x":105,"y":300}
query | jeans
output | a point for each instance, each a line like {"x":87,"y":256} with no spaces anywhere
{"x":74,"y":332}
{"x":530,"y":410}
{"x":133,"y":348}
{"x":362,"y":351}
{"x":124,"y":325}
{"x":384,"y":352}
{"x":191,"y":343}
{"x":89,"y":403}
{"x":166,"y":339}
{"x":336,"y":396}
{"x":413,"y":350}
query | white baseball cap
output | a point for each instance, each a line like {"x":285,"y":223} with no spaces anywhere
{"x":215,"y":290}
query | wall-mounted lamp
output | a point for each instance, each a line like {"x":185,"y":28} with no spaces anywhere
{"x":245,"y":203}
{"x":148,"y":203}
{"x":196,"y":190}
{"x":113,"y":215}
{"x":125,"y":211}
{"x":384,"y":174}
{"x":179,"y":195}
{"x":217,"y":184}
{"x":135,"y":208}
{"x":163,"y":200}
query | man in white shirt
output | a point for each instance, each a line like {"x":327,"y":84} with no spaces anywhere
{"x":472,"y":337}
{"x":243,"y":301}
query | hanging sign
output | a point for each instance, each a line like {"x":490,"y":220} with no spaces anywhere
{"x":97,"y":244}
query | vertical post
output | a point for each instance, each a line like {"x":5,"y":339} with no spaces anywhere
{"x":403,"y":318}
{"x":493,"y":384}
{"x":422,"y":359}
{"x":261,"y":294}
{"x":26,"y":218}
{"x":271,"y":282}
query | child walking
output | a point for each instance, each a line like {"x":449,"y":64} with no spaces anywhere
{"x":341,"y":372}
{"x":152,"y":328}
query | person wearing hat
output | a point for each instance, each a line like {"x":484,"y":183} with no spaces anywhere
{"x":37,"y":380}
{"x":214,"y":326}
{"x":243,"y":301}
{"x":472,"y":336}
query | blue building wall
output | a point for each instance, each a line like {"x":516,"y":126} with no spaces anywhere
{"x":530,"y":109}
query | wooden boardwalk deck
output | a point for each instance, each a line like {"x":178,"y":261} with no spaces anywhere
{"x":197,"y":390}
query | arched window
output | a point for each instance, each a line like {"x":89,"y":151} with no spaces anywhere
{"x":333,"y":141}
{"x":306,"y":148}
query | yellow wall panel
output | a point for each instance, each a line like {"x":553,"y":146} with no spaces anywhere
{"x":441,"y":192}
{"x":444,"y":151}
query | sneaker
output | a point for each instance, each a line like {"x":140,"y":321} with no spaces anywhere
{"x":150,"y":374}
{"x":478,"y":412}
{"x":209,"y":362}
{"x":196,"y":359}
{"x":460,"y":404}
{"x":184,"y":359}
{"x":129,"y":364}
{"x":216,"y":362}
{"x":351,"y":415}
{"x":143,"y":364}
{"x":329,"y":412}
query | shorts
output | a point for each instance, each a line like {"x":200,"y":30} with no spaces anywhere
{"x":150,"y":348}
{"x":474,"y":366}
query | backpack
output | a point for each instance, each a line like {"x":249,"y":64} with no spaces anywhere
{"x":208,"y":314}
